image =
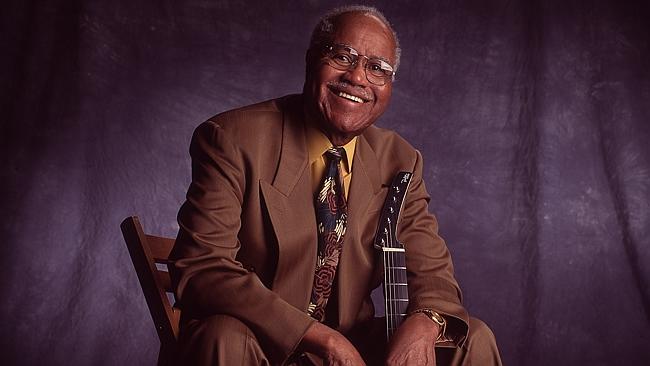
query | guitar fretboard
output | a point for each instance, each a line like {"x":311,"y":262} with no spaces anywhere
{"x":395,"y":288}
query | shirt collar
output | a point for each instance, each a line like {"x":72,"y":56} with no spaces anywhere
{"x":318,"y":143}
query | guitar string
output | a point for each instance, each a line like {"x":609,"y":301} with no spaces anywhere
{"x":389,"y":322}
{"x":385,"y":300}
{"x":392,"y":277}
{"x":386,"y":289}
{"x":388,"y":262}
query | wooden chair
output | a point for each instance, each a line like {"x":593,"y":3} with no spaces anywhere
{"x":149,"y":256}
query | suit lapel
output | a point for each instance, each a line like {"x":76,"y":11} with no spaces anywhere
{"x":357,"y":260}
{"x":291,"y":212}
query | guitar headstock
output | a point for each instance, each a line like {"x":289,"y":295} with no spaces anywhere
{"x":387,"y":228}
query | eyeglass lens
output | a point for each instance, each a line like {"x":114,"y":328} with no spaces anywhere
{"x":344,"y":57}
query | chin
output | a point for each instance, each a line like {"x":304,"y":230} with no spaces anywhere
{"x":347,"y":123}
{"x":351,"y":127}
{"x":345,"y":129}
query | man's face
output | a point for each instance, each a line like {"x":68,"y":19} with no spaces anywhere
{"x":328,"y":90}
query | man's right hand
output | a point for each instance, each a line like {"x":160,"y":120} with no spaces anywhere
{"x":331,"y":346}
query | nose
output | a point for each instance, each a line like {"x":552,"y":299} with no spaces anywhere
{"x":356,"y":74}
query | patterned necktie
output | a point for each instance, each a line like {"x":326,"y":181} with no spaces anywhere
{"x":331,"y":218}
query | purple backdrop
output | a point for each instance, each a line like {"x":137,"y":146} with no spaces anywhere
{"x":532,"y":116}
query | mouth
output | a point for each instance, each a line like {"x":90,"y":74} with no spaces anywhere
{"x":350,"y":97}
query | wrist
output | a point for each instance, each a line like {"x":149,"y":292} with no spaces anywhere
{"x":435,"y":318}
{"x":319,"y":339}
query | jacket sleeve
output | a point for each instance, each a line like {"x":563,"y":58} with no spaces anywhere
{"x":208,"y":278}
{"x":430,"y":272}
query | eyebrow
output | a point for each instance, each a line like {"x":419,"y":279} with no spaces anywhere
{"x":383,"y":59}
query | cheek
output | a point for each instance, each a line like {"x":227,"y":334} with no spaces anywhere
{"x":325,"y":74}
{"x":383,"y":98}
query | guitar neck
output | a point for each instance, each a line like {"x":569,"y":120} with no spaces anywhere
{"x":395,"y":288}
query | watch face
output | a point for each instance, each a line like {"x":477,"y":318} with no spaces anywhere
{"x":436,"y":317}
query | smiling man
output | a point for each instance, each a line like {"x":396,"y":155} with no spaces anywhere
{"x":274,"y":260}
{"x":344,"y":98}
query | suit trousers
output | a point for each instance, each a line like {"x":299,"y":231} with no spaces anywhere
{"x":224,"y":340}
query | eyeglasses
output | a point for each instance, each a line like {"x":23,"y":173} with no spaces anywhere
{"x":344,"y":58}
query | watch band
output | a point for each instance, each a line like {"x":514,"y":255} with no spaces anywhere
{"x":436,"y":318}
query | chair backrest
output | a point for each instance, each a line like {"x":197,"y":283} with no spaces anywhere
{"x":149,"y":255}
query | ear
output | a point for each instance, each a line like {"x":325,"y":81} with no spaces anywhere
{"x":310,"y":60}
{"x":309,"y":56}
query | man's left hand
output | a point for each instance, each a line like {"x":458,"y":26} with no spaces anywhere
{"x":413,"y":343}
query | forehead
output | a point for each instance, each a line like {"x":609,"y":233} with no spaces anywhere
{"x":366,"y":34}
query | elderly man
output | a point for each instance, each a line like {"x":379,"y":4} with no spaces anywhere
{"x":274,"y":260}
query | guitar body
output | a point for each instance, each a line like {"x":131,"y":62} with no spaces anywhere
{"x":393,"y":254}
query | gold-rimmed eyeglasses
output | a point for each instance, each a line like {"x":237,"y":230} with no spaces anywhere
{"x":343,"y":57}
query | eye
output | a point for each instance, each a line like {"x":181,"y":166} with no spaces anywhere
{"x":342,"y":58}
{"x":379,"y":68}
{"x":374,"y":66}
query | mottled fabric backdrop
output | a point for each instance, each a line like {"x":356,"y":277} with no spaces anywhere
{"x":533,"y":118}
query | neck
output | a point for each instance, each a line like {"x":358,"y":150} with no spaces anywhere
{"x":338,"y":140}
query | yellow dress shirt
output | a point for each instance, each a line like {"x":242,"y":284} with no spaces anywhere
{"x":317,"y":144}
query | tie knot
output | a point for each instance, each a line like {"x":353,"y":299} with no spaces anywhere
{"x":335,"y":153}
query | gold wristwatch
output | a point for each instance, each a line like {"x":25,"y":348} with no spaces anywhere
{"x":436,"y":318}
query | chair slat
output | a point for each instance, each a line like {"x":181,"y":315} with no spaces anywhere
{"x":160,"y":247}
{"x":165,"y":281}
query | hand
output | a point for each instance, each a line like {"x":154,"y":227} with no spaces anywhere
{"x":413,"y":343}
{"x":331,"y":346}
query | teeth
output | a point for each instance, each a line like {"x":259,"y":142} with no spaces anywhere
{"x":350,"y":97}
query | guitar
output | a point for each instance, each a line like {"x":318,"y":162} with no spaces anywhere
{"x":395,"y":286}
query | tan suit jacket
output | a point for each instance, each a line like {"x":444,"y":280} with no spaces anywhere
{"x":247,"y":240}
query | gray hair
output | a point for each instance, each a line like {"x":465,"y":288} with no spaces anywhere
{"x":324,"y":29}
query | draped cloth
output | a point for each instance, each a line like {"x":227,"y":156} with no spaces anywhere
{"x":531,"y":116}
